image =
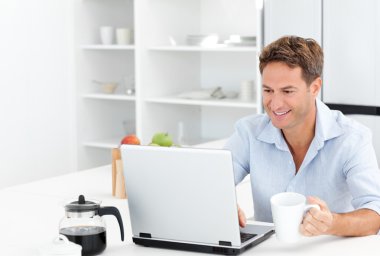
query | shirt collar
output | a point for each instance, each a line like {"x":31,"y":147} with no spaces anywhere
{"x":326,"y":128}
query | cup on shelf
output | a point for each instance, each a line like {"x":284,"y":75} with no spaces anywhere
{"x":124,"y":36}
{"x":129,"y":82}
{"x":106,"y":35}
{"x":181,"y":133}
{"x":247,"y":90}
{"x":172,"y":41}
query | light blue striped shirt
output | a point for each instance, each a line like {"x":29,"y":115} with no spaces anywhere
{"x":340,"y":166}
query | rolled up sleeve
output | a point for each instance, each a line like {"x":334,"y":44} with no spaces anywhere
{"x":363,"y":175}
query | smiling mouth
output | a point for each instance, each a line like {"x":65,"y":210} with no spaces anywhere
{"x":281,"y":113}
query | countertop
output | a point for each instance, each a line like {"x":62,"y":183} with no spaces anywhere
{"x":30,"y":216}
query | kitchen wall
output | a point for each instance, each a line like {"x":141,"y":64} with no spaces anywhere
{"x":36,"y":98}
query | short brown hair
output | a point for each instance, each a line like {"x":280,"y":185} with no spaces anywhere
{"x":295,"y":52}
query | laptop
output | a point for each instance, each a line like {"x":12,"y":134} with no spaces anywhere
{"x":184,"y":198}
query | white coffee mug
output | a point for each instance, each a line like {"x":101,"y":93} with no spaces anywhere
{"x":106,"y":35}
{"x":123,"y":36}
{"x":247,"y":90}
{"x":288,"y":209}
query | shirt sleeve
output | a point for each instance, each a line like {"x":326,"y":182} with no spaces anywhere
{"x":238,"y":144}
{"x":363,"y":175}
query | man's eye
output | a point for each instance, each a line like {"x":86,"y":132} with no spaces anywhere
{"x":288,"y":92}
{"x":267,"y":90}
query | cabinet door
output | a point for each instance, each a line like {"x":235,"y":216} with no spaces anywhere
{"x":351,"y":46}
{"x":292,"y":17}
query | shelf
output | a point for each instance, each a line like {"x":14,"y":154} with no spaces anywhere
{"x":105,"y":143}
{"x":107,"y":47}
{"x":212,"y":143}
{"x":101,"y":96}
{"x":235,"y":103}
{"x":221,"y":48}
{"x":198,"y":143}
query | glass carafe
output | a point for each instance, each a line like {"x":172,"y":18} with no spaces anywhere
{"x":83,"y":224}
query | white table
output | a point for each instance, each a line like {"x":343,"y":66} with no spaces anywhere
{"x":30,"y":215}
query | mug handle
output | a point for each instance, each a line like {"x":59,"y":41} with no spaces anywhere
{"x":309,"y":206}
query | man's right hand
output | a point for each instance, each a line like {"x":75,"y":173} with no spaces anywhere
{"x":242,"y":218}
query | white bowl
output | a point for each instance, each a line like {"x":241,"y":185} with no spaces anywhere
{"x":108,"y":87}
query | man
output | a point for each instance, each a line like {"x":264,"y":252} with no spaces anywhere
{"x":302,"y":146}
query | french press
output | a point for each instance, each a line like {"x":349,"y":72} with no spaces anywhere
{"x":83,"y":224}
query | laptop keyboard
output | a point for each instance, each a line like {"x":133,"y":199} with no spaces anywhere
{"x":245,"y":236}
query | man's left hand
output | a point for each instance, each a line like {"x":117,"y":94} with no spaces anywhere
{"x":317,"y":222}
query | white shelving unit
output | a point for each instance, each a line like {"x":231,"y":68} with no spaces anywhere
{"x":103,"y":119}
{"x":161,"y":71}
{"x":165,"y":70}
{"x":103,"y":143}
{"x":232,"y":103}
{"x":107,"y":47}
{"x":102,"y":96}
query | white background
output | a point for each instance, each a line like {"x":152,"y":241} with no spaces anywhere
{"x":36,"y":97}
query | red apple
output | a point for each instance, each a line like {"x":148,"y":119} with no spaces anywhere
{"x":130,"y":139}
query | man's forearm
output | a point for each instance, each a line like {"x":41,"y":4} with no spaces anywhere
{"x":361,"y":222}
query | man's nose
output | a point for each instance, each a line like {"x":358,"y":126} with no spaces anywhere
{"x":276,"y":101}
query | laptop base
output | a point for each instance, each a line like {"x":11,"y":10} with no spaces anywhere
{"x":225,"y":250}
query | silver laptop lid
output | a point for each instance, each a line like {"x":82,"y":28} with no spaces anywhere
{"x":182,"y":194}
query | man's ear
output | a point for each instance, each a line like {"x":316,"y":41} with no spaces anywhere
{"x":316,"y":86}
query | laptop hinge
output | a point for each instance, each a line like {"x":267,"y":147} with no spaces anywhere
{"x":146,"y":235}
{"x":225,"y":243}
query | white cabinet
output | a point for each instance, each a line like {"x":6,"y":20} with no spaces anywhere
{"x":102,"y":118}
{"x":351,"y":40}
{"x":164,"y":66}
{"x":377,"y":54}
{"x":292,"y":17}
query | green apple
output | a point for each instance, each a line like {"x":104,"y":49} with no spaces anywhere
{"x":153,"y":144}
{"x":162,"y":139}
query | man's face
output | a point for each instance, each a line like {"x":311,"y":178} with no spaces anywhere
{"x":287,"y":99}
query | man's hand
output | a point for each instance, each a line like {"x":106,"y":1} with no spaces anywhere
{"x":242,"y":218}
{"x":317,"y":222}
